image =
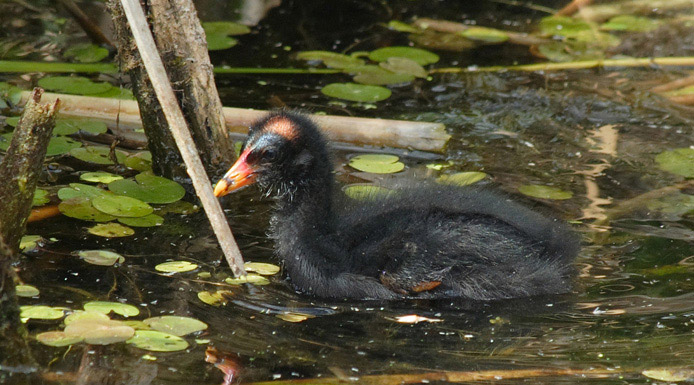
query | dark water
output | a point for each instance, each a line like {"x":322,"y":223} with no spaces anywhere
{"x":592,"y":132}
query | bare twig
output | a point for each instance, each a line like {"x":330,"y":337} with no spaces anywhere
{"x":573,"y":7}
{"x":675,"y":84}
{"x":184,"y":141}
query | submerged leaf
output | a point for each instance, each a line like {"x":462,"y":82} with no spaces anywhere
{"x":420,"y":56}
{"x":331,"y":59}
{"x":76,"y":85}
{"x":631,"y":23}
{"x":356,"y":92}
{"x":544,"y":192}
{"x":670,"y":374}
{"x":361,"y":191}
{"x":487,"y":35}
{"x":462,"y":178}
{"x":86,"y":53}
{"x":141,"y":161}
{"x":101,"y":257}
{"x":111,"y":230}
{"x":150,"y":220}
{"x":679,"y":161}
{"x":69,"y":126}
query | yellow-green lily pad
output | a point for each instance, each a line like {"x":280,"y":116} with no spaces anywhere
{"x":97,"y":155}
{"x":81,"y":315}
{"x":99,"y":332}
{"x":111,"y":230}
{"x":214,"y":299}
{"x":679,"y":161}
{"x":150,"y":220}
{"x":356,"y":92}
{"x":26,"y":291}
{"x":176,"y":325}
{"x":41,"y":312}
{"x":462,"y":178}
{"x":361,"y":191}
{"x":75,"y":85}
{"x":545,"y":192}
{"x":57,"y":339}
{"x":149,"y":188}
{"x":86,"y":53}
{"x":377,"y":163}
{"x":29,"y":242}
{"x":101,"y":257}
{"x":331,"y":59}
{"x":40,"y":197}
{"x":106,"y":307}
{"x":401,"y":65}
{"x":262,"y":268}
{"x":121,"y":206}
{"x":82,"y":208}
{"x":420,"y":56}
{"x":253,"y":279}
{"x":157,"y":341}
{"x":141,"y":161}
{"x":175,"y":267}
{"x":99,"y":177}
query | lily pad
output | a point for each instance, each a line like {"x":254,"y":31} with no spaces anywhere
{"x":106,"y":307}
{"x":121,"y":206}
{"x":377,"y":163}
{"x":356,"y":92}
{"x":57,"y":339}
{"x":382,"y":78}
{"x":218,"y":42}
{"x":97,"y":154}
{"x":82,"y":208}
{"x":86,"y":53}
{"x":111,"y":230}
{"x":5,"y":141}
{"x":462,"y":178}
{"x":12,"y":121}
{"x":141,"y":161}
{"x":149,"y":188}
{"x":150,"y":220}
{"x":176,"y":325}
{"x":81,"y":315}
{"x":75,"y":85}
{"x":331,"y":59}
{"x":218,"y":34}
{"x":69,"y":126}
{"x":399,"y":26}
{"x":99,"y":177}
{"x":544,"y":192}
{"x":99,"y":332}
{"x":293,"y":317}
{"x":9,"y":95}
{"x":101,"y":257}
{"x":486,"y":35}
{"x":679,"y":161}
{"x":40,"y":197}
{"x":420,"y":56}
{"x":59,"y":145}
{"x":157,"y":341}
{"x":254,"y":279}
{"x":564,"y":26}
{"x":262,"y":268}
{"x":214,"y":299}
{"x":175,"y":267}
{"x":26,"y":291}
{"x":631,"y":23}
{"x":41,"y":312}
{"x":80,"y":190}
{"x":29,"y":242}
{"x":403,"y":65}
{"x":363,"y":191}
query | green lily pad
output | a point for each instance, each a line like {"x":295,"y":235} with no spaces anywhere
{"x":254,"y":279}
{"x":57,"y":339}
{"x":81,"y":315}
{"x":86,"y":53}
{"x":101,"y":257}
{"x":420,"y":56}
{"x":399,"y":26}
{"x":41,"y":312}
{"x":564,"y":26}
{"x":82,"y":208}
{"x":99,"y":177}
{"x":377,"y":163}
{"x":150,"y":220}
{"x":69,"y":126}
{"x":631,"y":23}
{"x":121,"y":206}
{"x":12,"y":121}
{"x":176,"y":325}
{"x":59,"y":145}
{"x":219,"y":42}
{"x":218,"y":34}
{"x":106,"y":307}
{"x":356,"y":92}
{"x":175,"y":267}
{"x":97,"y":154}
{"x":80,"y":190}
{"x":403,"y":65}
{"x":26,"y":291}
{"x":149,"y":188}
{"x":545,"y":192}
{"x":262,"y":268}
{"x":99,"y":332}
{"x":29,"y":242}
{"x":141,"y":161}
{"x":362,"y":191}
{"x":215,"y":299}
{"x":111,"y":230}
{"x":75,"y":85}
{"x":379,"y":77}
{"x":462,"y":178}
{"x":40,"y":197}
{"x":679,"y":161}
{"x":9,"y":95}
{"x":5,"y":141}
{"x":331,"y":59}
{"x":486,"y":35}
{"x":157,"y":341}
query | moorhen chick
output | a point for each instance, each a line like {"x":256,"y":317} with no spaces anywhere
{"x":429,"y":241}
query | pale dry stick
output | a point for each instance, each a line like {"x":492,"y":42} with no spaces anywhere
{"x":675,"y":84}
{"x":160,"y":82}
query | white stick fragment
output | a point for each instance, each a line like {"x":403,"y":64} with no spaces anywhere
{"x":162,"y":87}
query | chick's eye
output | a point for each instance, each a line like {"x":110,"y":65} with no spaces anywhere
{"x":270,"y":154}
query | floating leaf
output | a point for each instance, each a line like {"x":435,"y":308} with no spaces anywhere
{"x":12,"y":121}
{"x":76,"y":85}
{"x":254,"y":279}
{"x":444,"y":41}
{"x":141,"y":161}
{"x":5,"y":140}
{"x":564,"y":26}
{"x":356,"y":92}
{"x":176,"y":325}
{"x":218,"y":32}
{"x":69,"y":126}
{"x":157,"y":341}
{"x":175,"y":267}
{"x":97,"y":154}
{"x":57,"y":339}
{"x":670,"y":374}
{"x":26,"y":291}
{"x":214,"y":299}
{"x":377,"y":163}
{"x":462,"y":178}
{"x":262,"y":268}
{"x":679,"y":161}
{"x":331,"y":59}
{"x":117,"y":93}
{"x":111,"y":230}
{"x":420,"y":56}
{"x":80,"y":190}
{"x":82,"y":315}
{"x":219,"y":42}
{"x":382,"y":78}
{"x":29,"y":242}
{"x":403,"y":65}
{"x":99,"y":331}
{"x":86,"y":53}
{"x":544,"y":192}
{"x":399,"y":26}
{"x":121,"y":206}
{"x":58,"y":145}
{"x":41,"y":312}
{"x":362,"y":191}
{"x":99,"y":177}
{"x":81,"y":208}
{"x":487,"y":35}
{"x":101,"y":257}
{"x":106,"y":307}
{"x":40,"y":197}
{"x":149,"y":188}
{"x":293,"y":317}
{"x":630,"y":23}
{"x":180,"y":207}
{"x":150,"y":220}
{"x":9,"y":94}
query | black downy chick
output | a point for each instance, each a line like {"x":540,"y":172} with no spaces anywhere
{"x":428,"y":241}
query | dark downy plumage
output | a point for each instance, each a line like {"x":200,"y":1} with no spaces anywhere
{"x":430,"y":241}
